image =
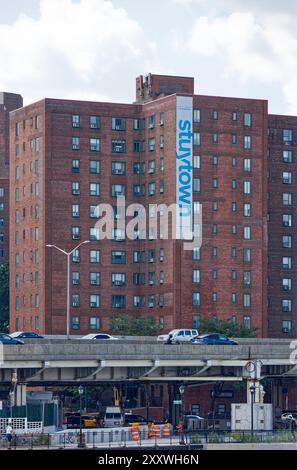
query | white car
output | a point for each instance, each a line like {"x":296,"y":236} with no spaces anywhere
{"x":103,"y":336}
{"x":178,"y":336}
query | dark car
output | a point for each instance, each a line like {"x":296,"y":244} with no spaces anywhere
{"x":213,"y":338}
{"x":131,"y":419}
{"x":72,"y":420}
{"x":6,"y":339}
{"x":26,"y":335}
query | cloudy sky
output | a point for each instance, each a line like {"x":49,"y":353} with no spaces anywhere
{"x":94,"y":49}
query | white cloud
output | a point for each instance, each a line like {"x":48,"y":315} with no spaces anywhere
{"x":250,"y":49}
{"x":85,"y":49}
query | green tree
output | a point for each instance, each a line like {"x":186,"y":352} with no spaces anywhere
{"x":4,"y":297}
{"x":128,"y":325}
{"x":226,"y":327}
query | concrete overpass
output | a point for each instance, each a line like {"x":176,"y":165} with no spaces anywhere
{"x":61,"y":362}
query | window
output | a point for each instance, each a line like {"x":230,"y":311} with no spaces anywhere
{"x":151,"y":300}
{"x":247,"y":143}
{"x":138,"y":146}
{"x":95,"y":300}
{"x":139,"y":124}
{"x":287,"y":136}
{"x":233,"y":275}
{"x":287,"y":241}
{"x":94,"y":256}
{"x":118,"y":124}
{"x":118,"y":168}
{"x":138,"y":168}
{"x":214,"y":297}
{"x":75,"y":210}
{"x":118,"y":257}
{"x":247,"y":210}
{"x":94,"y":189}
{"x":152,"y":278}
{"x":247,"y":300}
{"x":118,"y":190}
{"x":247,"y":232}
{"x":94,"y":145}
{"x":287,"y":199}
{"x":118,"y":146}
{"x":94,"y":212}
{"x":234,"y":161}
{"x":94,"y":234}
{"x":94,"y":323}
{"x":215,"y":205}
{"x":75,"y":188}
{"x":76,"y":256}
{"x":215,"y":115}
{"x":247,"y":119}
{"x":152,"y":144}
{"x":95,"y":278}
{"x":118,"y":279}
{"x":139,"y":301}
{"x":75,"y":143}
{"x":233,"y":298}
{"x":215,"y":183}
{"x":234,"y":139}
{"x":1,"y":192}
{"x":161,"y":119}
{"x":247,"y":322}
{"x":195,"y":408}
{"x":75,"y":323}
{"x":196,"y":138}
{"x":247,"y":187}
{"x":215,"y":160}
{"x":287,"y":283}
{"x":75,"y":300}
{"x":196,"y":276}
{"x":152,"y":189}
{"x":287,"y":220}
{"x":287,"y":305}
{"x":287,"y":156}
{"x":234,"y":184}
{"x":94,"y":122}
{"x":247,"y":255}
{"x":196,"y":115}
{"x":75,"y":278}
{"x":234,"y":116}
{"x":214,"y":229}
{"x":234,"y":229}
{"x":152,"y":166}
{"x":138,"y":279}
{"x":247,"y":278}
{"x":196,"y":299}
{"x":287,"y":177}
{"x":75,"y":120}
{"x":151,"y":121}
{"x":138,"y":256}
{"x":287,"y":262}
{"x":215,"y":138}
{"x":286,"y":326}
{"x":247,"y":164}
{"x":214,"y":251}
{"x":196,"y":185}
{"x":118,"y":301}
{"x":75,"y":166}
{"x":94,"y":167}
{"x":118,"y":234}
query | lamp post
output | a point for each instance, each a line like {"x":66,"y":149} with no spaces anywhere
{"x":252,"y":392}
{"x":68,"y":254}
{"x":182,"y":391}
{"x":80,"y":392}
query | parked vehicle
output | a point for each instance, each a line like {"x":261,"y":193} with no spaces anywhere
{"x":103,"y":336}
{"x":213,"y":338}
{"x":289,"y":418}
{"x":6,"y":339}
{"x":72,"y":420}
{"x":178,"y":336}
{"x":113,"y":417}
{"x":26,"y":335}
{"x":134,"y":420}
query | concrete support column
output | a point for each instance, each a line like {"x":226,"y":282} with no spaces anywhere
{"x":259,"y":391}
{"x":21,"y":395}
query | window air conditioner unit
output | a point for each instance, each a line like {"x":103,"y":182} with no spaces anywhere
{"x":152,"y":283}
{"x":152,"y":260}
{"x":151,"y":126}
{"x":161,"y":258}
{"x":161,"y":145}
{"x":161,"y":190}
{"x":117,"y":305}
{"x":151,"y":304}
{"x":151,"y":170}
{"x":286,"y":287}
{"x":118,"y":148}
{"x":161,"y":122}
{"x":118,"y":283}
{"x":285,"y":330}
{"x":161,"y":281}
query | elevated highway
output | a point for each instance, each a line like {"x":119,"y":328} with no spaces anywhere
{"x":60,"y":362}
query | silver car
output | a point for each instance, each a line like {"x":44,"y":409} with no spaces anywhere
{"x":178,"y":336}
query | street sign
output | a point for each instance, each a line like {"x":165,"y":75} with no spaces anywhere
{"x":177,"y":402}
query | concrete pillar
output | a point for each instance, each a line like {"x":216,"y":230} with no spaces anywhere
{"x":259,"y":391}
{"x":21,"y":395}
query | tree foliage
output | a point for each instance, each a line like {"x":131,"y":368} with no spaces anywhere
{"x":127,"y":325}
{"x":226,"y":327}
{"x":4,"y":297}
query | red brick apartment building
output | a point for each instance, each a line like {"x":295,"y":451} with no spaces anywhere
{"x":8,"y":102}
{"x":79,"y":154}
{"x":282,"y":215}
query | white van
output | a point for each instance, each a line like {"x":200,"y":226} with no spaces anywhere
{"x":178,"y":336}
{"x":113,"y":417}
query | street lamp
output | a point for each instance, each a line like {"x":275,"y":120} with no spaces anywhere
{"x":80,"y":392}
{"x":68,"y":254}
{"x":252,"y":392}
{"x":182,"y":391}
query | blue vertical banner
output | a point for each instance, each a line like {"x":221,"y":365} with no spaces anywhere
{"x":184,"y":167}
